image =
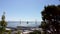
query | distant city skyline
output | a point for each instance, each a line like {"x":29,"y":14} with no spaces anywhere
{"x":24,"y":10}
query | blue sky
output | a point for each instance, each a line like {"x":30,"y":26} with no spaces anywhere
{"x":25,"y":10}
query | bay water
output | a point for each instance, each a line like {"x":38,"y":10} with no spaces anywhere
{"x":17,"y":23}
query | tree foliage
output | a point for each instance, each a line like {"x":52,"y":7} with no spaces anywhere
{"x":51,"y":18}
{"x":3,"y":24}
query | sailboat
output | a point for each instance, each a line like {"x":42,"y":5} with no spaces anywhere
{"x":35,"y":21}
{"x":20,"y":21}
{"x":27,"y":22}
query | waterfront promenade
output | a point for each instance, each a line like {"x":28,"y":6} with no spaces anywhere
{"x":23,"y":30}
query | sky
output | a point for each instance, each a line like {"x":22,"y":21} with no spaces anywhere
{"x":24,"y":10}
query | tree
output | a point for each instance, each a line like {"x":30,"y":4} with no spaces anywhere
{"x":51,"y":15}
{"x":3,"y":24}
{"x":18,"y":32}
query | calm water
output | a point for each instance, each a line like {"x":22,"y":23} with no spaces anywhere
{"x":16,"y":23}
